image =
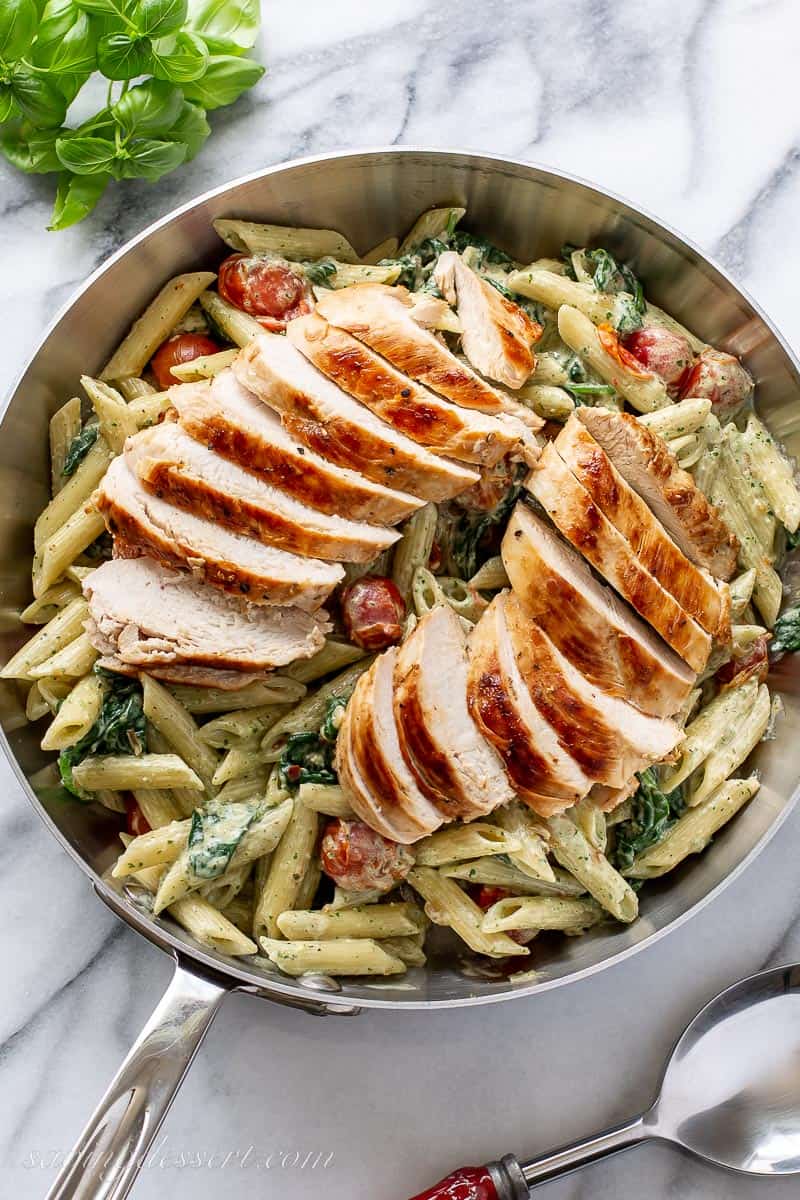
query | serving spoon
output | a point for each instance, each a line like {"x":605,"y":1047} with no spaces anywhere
{"x":730,"y":1094}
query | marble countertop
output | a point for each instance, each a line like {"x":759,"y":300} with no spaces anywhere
{"x":687,"y":107}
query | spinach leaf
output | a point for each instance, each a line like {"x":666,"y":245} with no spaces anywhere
{"x":308,"y":757}
{"x":654,"y":812}
{"x":215,"y":833}
{"x":786,"y":632}
{"x":611,"y":276}
{"x":792,"y":540}
{"x":473,"y":525}
{"x":489,"y":253}
{"x":119,"y":729}
{"x":320,"y":272}
{"x":586,"y":393}
{"x":79,"y":447}
{"x":410,"y":267}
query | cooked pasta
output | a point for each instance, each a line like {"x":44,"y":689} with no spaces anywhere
{"x":256,"y":824}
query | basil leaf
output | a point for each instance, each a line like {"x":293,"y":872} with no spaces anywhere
{"x":156,"y":18}
{"x":180,"y":59}
{"x":121,"y":56}
{"x":227,"y":26}
{"x":148,"y":159}
{"x":37,"y":98}
{"x":150,"y":107}
{"x":66,"y":39}
{"x":18,"y":21}
{"x":29,"y":149}
{"x":8,"y":107}
{"x":191,"y":128}
{"x":69,"y":83}
{"x":104,"y":8}
{"x":85,"y":155}
{"x":224,"y":81}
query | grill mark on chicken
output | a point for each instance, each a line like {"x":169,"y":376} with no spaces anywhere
{"x":432,"y":769}
{"x":697,"y":594}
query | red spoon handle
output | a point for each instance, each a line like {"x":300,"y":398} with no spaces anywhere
{"x":494,"y":1181}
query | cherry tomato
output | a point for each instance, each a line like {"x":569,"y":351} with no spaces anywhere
{"x":136,"y":822}
{"x":270,"y":291}
{"x":358,"y":859}
{"x":665,"y":353}
{"x":181,"y":348}
{"x":720,"y":378}
{"x":373,"y":611}
{"x":485,"y":894}
{"x":753,"y":664}
{"x":609,"y":340}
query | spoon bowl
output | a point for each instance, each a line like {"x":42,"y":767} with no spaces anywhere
{"x":730,"y":1094}
{"x":731,"y":1089}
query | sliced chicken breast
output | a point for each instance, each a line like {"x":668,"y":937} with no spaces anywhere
{"x":231,"y":420}
{"x":380,"y":316}
{"x":574,"y":514}
{"x":377,"y":756}
{"x":609,"y":738}
{"x":644,"y":461}
{"x":597,"y":633}
{"x":607,"y":799}
{"x":453,"y":765}
{"x":367,"y":804}
{"x":497,"y":335}
{"x":472,"y":437}
{"x":186,"y":473}
{"x":695,"y":591}
{"x":149,"y":616}
{"x":543,"y":774}
{"x":327,"y":420}
{"x":143,"y":524}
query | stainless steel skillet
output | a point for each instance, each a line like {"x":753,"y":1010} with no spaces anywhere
{"x":367,"y":195}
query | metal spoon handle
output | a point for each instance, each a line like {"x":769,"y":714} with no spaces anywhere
{"x":509,"y":1179}
{"x":580,"y":1154}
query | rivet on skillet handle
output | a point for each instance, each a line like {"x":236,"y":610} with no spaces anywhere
{"x":112,"y":1148}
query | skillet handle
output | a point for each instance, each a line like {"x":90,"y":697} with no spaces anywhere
{"x":112,"y":1148}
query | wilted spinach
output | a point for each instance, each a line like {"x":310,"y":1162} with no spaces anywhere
{"x":786,"y":632}
{"x":216,"y":831}
{"x":79,"y":447}
{"x":653,"y":813}
{"x":612,"y":277}
{"x":119,"y":729}
{"x":473,"y":525}
{"x":308,"y":757}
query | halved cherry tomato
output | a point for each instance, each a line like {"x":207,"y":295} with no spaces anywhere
{"x":720,"y":378}
{"x":136,"y":821}
{"x":359,"y":860}
{"x":373,"y":612}
{"x":182,"y":348}
{"x":272,"y":292}
{"x":609,"y":340}
{"x":753,"y":664}
{"x":662,"y":351}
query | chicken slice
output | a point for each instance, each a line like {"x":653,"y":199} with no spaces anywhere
{"x":695,"y":591}
{"x":574,"y":514}
{"x":544,"y":775}
{"x":327,"y":420}
{"x":380,"y":316}
{"x":644,"y":461}
{"x":375,"y":752}
{"x":497,"y":335}
{"x":186,"y":473}
{"x":608,"y":737}
{"x":453,"y":765}
{"x":184,"y":674}
{"x":472,"y":437}
{"x":598,"y":634}
{"x":148,"y":617}
{"x":143,"y":524}
{"x":231,"y":420}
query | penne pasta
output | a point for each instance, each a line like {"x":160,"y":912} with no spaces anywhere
{"x":177,"y":726}
{"x":123,"y":772}
{"x":344,"y":956}
{"x":414,"y":548}
{"x":154,"y":325}
{"x":643,"y":390}
{"x":369,"y":921}
{"x":447,"y":904}
{"x":463,"y":842}
{"x":114,"y":418}
{"x":592,"y":868}
{"x":327,"y":799}
{"x":65,"y":425}
{"x":253,"y":237}
{"x":76,"y":714}
{"x":542,"y":912}
{"x":286,"y":872}
{"x":204,"y":367}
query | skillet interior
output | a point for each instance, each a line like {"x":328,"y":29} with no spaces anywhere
{"x":368,"y":196}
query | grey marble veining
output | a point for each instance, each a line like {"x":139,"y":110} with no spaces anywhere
{"x":688,"y":107}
